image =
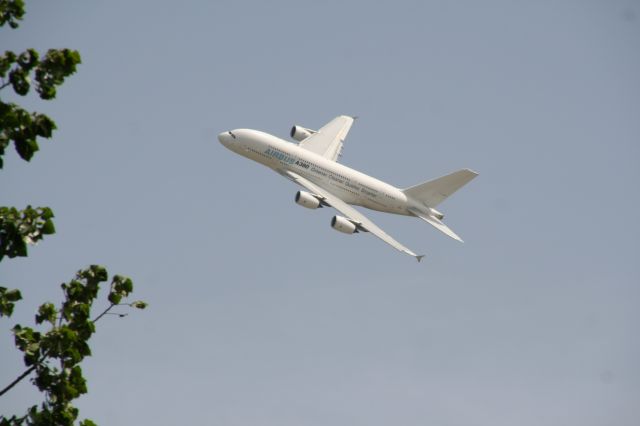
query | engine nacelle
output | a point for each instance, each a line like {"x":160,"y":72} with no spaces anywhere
{"x":307,"y":200}
{"x":343,"y":224}
{"x":300,"y":133}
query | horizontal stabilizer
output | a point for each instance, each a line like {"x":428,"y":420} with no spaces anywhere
{"x":436,"y":223}
{"x":435,"y":191}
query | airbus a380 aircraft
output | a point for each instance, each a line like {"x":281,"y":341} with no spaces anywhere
{"x":313,"y":165}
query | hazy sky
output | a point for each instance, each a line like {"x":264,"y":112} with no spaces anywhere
{"x":260,"y":314}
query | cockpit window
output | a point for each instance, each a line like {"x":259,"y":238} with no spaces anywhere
{"x":232,"y":135}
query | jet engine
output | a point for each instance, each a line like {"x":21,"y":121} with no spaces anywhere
{"x":300,"y":133}
{"x":343,"y":224}
{"x":307,"y":200}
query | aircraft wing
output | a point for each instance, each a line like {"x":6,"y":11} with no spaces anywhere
{"x":329,"y":139}
{"x":351,"y":213}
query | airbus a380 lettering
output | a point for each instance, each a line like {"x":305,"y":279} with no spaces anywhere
{"x":312,"y":164}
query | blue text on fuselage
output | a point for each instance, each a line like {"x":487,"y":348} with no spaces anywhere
{"x":280,"y":156}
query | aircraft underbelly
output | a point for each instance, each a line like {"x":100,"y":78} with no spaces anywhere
{"x":354,"y":198}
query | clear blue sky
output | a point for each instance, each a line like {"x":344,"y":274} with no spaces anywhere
{"x":259,"y":312}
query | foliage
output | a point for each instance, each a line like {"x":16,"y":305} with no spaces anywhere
{"x":11,"y":11}
{"x":8,"y":299}
{"x":20,"y":228}
{"x":18,"y":71}
{"x":55,"y":355}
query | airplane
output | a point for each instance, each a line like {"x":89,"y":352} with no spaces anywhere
{"x":313,"y":164}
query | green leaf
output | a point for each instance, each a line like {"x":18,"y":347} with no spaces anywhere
{"x":43,"y":126}
{"x":21,"y":227}
{"x":20,"y":81}
{"x":20,"y":248}
{"x":100,"y":272}
{"x":46,"y":213}
{"x":48,"y":228}
{"x":114,"y":297}
{"x":7,"y":301}
{"x":6,"y":61}
{"x":127,"y":286}
{"x":46,"y":312}
{"x":53,"y":69}
{"x":139,"y":304}
{"x":28,"y":59}
{"x":11,"y":11}
{"x":26,"y":148}
{"x":11,"y":295}
{"x":28,"y":341}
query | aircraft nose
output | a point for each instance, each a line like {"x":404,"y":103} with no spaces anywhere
{"x":225,"y":138}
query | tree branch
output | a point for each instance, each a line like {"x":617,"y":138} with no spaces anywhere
{"x":103,"y":313}
{"x":25,"y":374}
{"x":16,"y":381}
{"x":33,"y":367}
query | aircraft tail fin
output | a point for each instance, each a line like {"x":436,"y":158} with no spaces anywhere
{"x":435,"y":191}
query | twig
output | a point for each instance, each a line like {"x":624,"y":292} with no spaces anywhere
{"x":33,"y":367}
{"x":16,"y":381}
{"x":104,"y":312}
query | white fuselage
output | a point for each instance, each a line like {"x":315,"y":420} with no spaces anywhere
{"x":350,"y":185}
